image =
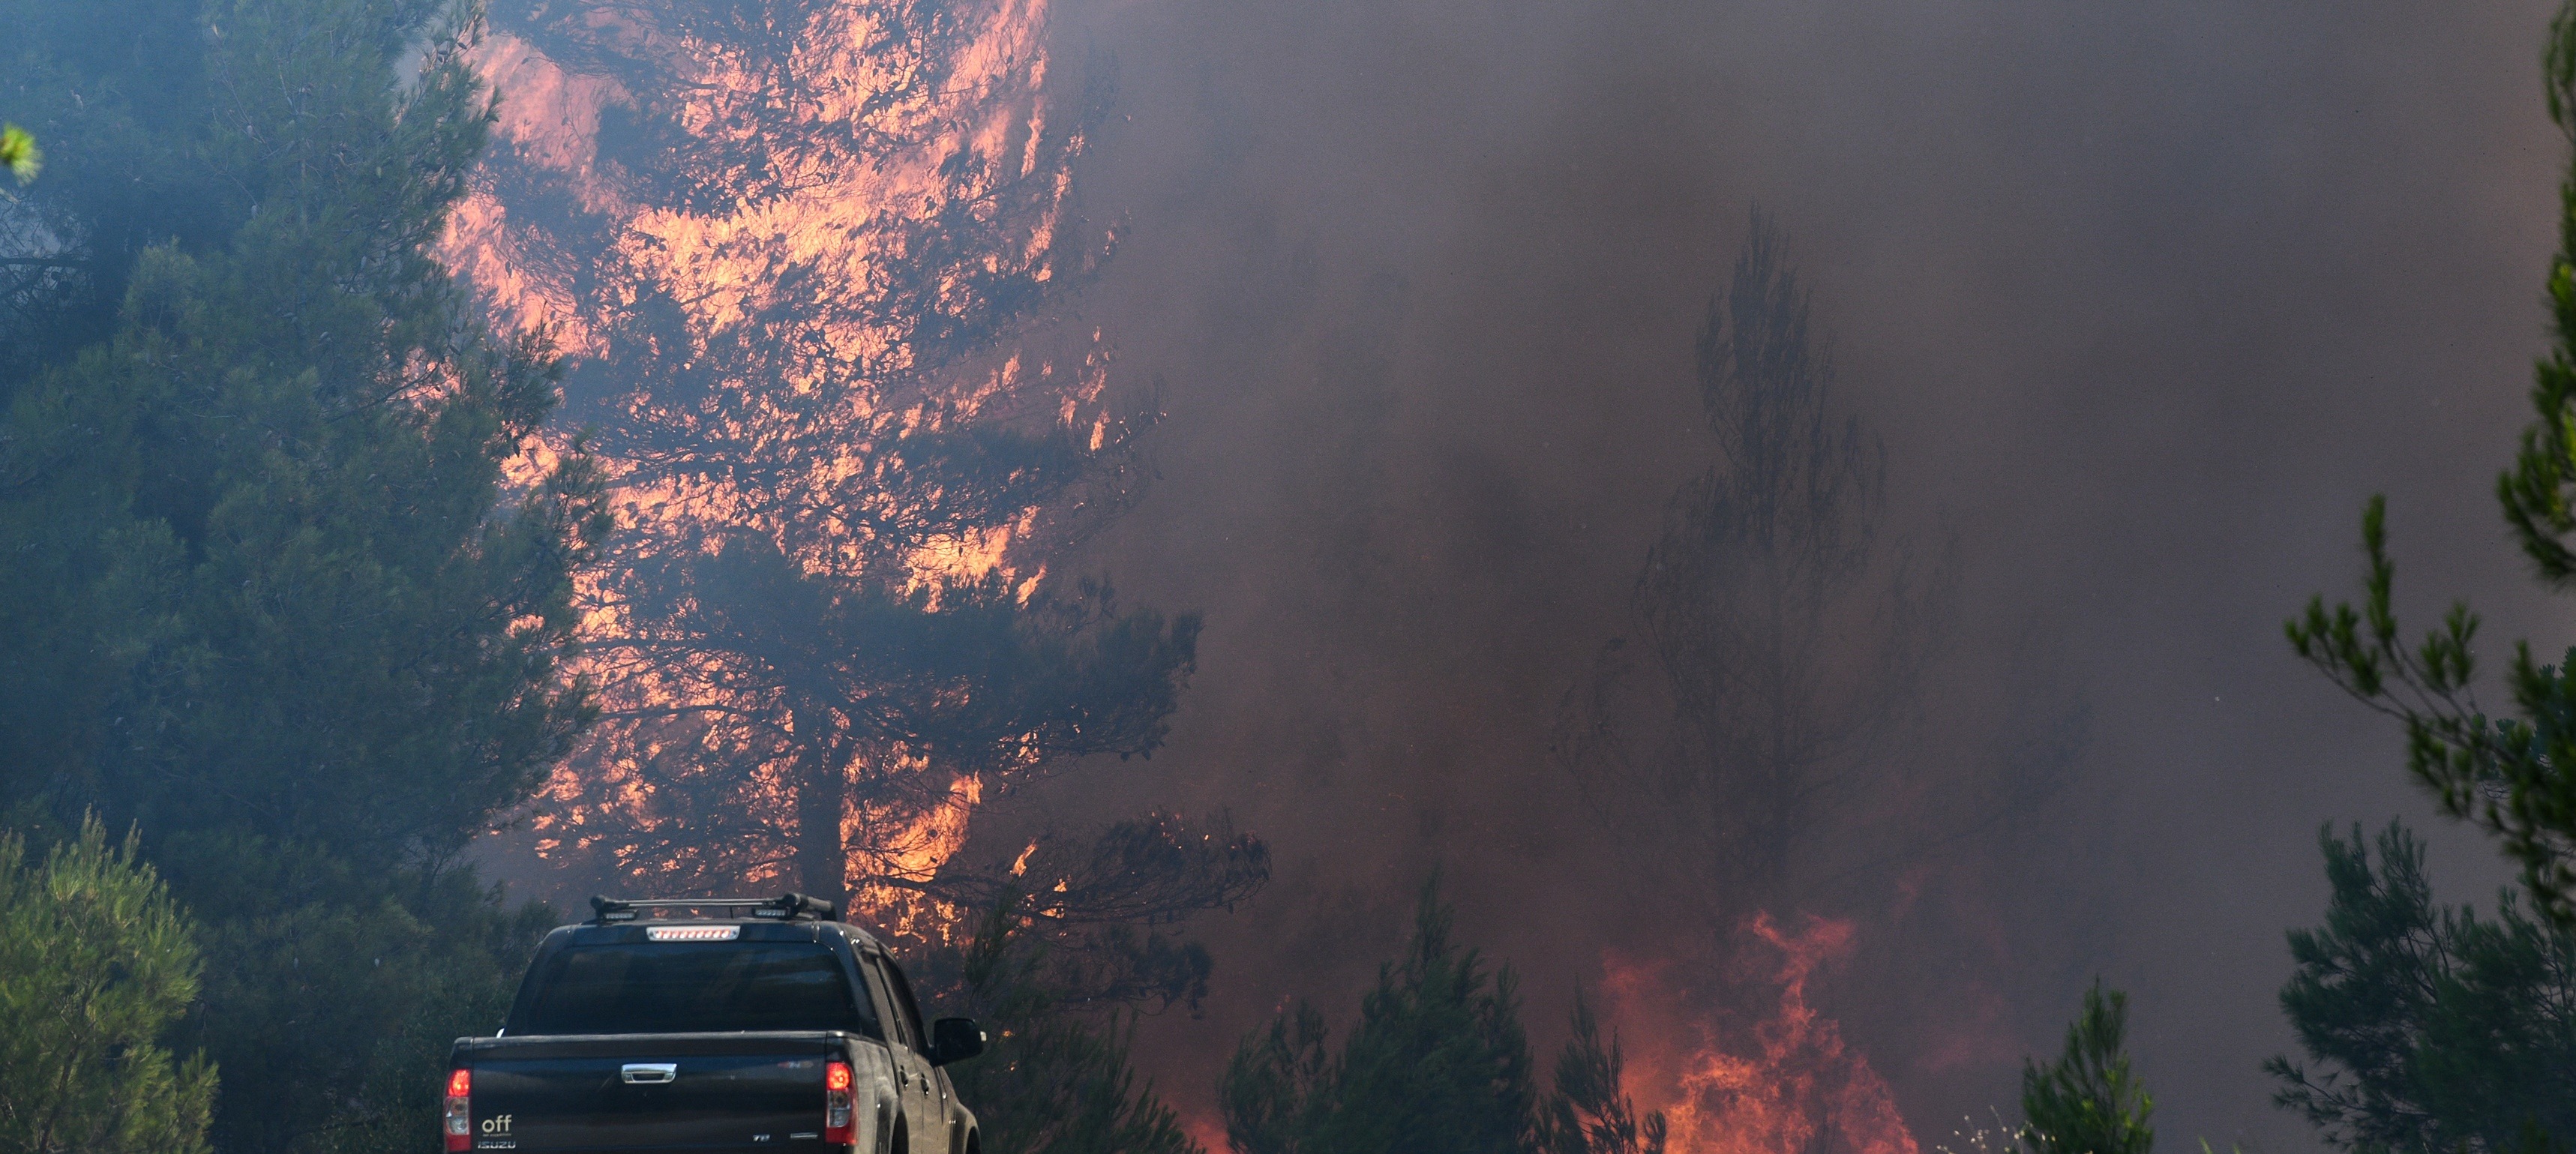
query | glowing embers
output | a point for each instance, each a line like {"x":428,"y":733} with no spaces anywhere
{"x":1787,"y":1085}
{"x":693,"y":933}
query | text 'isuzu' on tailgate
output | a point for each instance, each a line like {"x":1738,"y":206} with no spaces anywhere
{"x":776,"y":1028}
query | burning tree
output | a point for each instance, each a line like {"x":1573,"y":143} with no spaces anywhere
{"x":816,"y":256}
{"x":1775,"y":698}
{"x":1778,"y":1076}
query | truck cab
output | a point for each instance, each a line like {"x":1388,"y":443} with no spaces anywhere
{"x":754,"y":1025}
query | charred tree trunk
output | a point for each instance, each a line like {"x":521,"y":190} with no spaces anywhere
{"x":822,"y":792}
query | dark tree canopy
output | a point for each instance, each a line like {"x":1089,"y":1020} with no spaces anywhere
{"x":1591,"y":1112}
{"x":1438,"y":1062}
{"x":2426,"y":1029}
{"x":1057,"y":1079}
{"x":281,"y":583}
{"x":289,"y":588}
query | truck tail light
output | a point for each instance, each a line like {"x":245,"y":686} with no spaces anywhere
{"x":837,"y":1100}
{"x":457,"y":1123}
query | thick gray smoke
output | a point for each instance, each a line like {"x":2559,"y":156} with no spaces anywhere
{"x":2144,"y":299}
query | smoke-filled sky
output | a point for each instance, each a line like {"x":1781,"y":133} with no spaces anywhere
{"x":2146,"y":299}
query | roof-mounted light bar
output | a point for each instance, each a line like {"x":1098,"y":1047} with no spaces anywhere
{"x":692,"y":933}
{"x":784,"y":907}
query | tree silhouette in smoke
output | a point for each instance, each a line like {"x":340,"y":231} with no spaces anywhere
{"x":1770,"y":737}
{"x":815,"y":257}
{"x":1784,"y":634}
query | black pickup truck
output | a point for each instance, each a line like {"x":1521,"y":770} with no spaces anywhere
{"x":773,"y":1027}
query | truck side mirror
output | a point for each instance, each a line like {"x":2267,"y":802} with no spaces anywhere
{"x":955,"y":1040}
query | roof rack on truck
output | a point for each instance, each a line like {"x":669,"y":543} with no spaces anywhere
{"x":784,"y":907}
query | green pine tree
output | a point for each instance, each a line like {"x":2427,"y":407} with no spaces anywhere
{"x":2088,"y":1101}
{"x":284,"y":590}
{"x":1437,"y":1064}
{"x":2514,"y":776}
{"x":2427,"y":1030}
{"x":96,"y":964}
{"x":1279,"y":1088}
{"x":2404,"y":1032}
{"x":272,"y":582}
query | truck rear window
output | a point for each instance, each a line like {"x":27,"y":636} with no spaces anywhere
{"x":693,"y":988}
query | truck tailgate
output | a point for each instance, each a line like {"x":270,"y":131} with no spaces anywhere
{"x":750,"y":1091}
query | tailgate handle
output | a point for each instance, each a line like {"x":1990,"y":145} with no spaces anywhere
{"x":648,"y":1073}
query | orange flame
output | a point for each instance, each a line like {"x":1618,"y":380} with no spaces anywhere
{"x":1790,"y":1084}
{"x":909,"y":845}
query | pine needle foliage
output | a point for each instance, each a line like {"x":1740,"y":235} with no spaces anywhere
{"x":2088,"y":1101}
{"x":2513,"y":776}
{"x":96,"y":965}
{"x":1591,"y":1113}
{"x":2427,"y":1030}
{"x":1438,"y":1063}
{"x":290,"y":576}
